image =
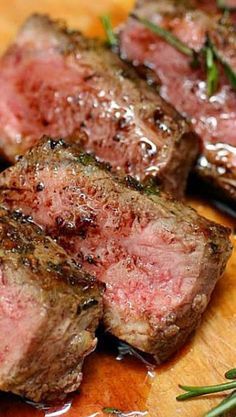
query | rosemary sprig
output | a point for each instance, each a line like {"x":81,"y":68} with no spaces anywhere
{"x":222,"y":6}
{"x":228,"y":403}
{"x":230,"y":73}
{"x":107,"y":26}
{"x":199,"y":391}
{"x":212,"y":71}
{"x":167,"y":36}
{"x":231,"y":374}
{"x":209,"y":51}
{"x":111,"y":410}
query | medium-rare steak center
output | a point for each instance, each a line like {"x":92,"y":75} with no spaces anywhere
{"x":49,"y":311}
{"x":56,"y":82}
{"x":213,"y":117}
{"x":158,"y":258}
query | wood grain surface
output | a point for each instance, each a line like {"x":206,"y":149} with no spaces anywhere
{"x":126,"y":384}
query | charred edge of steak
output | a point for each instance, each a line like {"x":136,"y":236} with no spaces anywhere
{"x":37,"y":156}
{"x":216,"y":167}
{"x":15,"y":243}
{"x":57,"y":307}
{"x":179,"y":149}
{"x":170,"y":6}
{"x":175,"y":329}
{"x":166,"y":339}
{"x":222,"y":33}
{"x":217,"y":173}
{"x":162,"y":339}
{"x":56,"y":144}
{"x":40,"y":154}
{"x":218,"y":183}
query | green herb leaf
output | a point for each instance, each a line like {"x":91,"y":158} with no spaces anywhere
{"x":107,"y":25}
{"x":198,"y":391}
{"x":229,"y":71}
{"x":231,"y":374}
{"x":212,"y":71}
{"x":227,"y":404}
{"x":222,"y":6}
{"x":110,"y":410}
{"x":166,"y":35}
{"x":212,"y":55}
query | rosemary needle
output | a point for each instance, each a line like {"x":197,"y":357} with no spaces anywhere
{"x":107,"y":26}
{"x":211,"y":389}
{"x":227,"y":404}
{"x":212,"y":71}
{"x":212,"y":55}
{"x":222,"y":6}
{"x":229,"y":71}
{"x":166,"y":35}
{"x":231,"y":374}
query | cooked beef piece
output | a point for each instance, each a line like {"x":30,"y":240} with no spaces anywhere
{"x":206,"y":5}
{"x":159,"y":259}
{"x":212,"y":6}
{"x":56,"y":82}
{"x":49,"y":310}
{"x":214,"y":118}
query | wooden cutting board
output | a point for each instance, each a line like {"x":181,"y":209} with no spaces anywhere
{"x":127,"y":384}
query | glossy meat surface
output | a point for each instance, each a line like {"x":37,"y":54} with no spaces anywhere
{"x":56,"y":82}
{"x":49,"y":310}
{"x":159,"y":259}
{"x":214,"y":118}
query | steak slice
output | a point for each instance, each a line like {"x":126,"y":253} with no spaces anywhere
{"x":214,"y":118}
{"x":211,"y":6}
{"x":49,"y":310}
{"x":158,"y":258}
{"x":206,"y":5}
{"x":58,"y":83}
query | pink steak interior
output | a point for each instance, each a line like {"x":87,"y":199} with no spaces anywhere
{"x":20,"y":319}
{"x":149,"y":265}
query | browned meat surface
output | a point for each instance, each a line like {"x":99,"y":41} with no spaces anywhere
{"x":211,"y":6}
{"x":159,"y":259}
{"x":58,"y":83}
{"x":206,"y":5}
{"x":49,"y":310}
{"x":213,"y":118}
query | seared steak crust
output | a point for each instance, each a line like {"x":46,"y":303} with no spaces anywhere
{"x":49,"y":310}
{"x":56,"y":82}
{"x":214,"y":118}
{"x":159,"y":259}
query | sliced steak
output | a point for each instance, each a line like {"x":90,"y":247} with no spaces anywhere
{"x":159,"y":259}
{"x":58,"y":83}
{"x":49,"y":310}
{"x":212,"y":6}
{"x":214,"y":118}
